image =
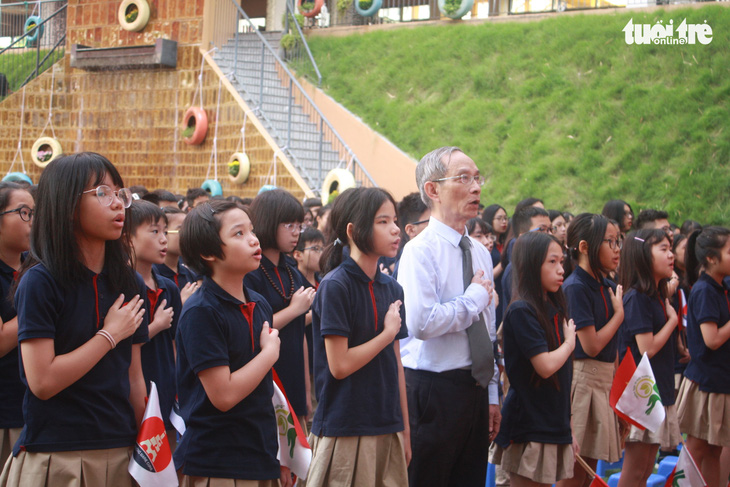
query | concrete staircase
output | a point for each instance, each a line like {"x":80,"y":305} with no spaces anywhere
{"x":264,"y":90}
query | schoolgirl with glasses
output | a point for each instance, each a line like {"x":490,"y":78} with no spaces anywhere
{"x":81,"y":327}
{"x":277,"y":217}
{"x":16,"y":212}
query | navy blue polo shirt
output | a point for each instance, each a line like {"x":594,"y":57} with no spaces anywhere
{"x":366,"y":403}
{"x":158,"y":355}
{"x":708,"y":303}
{"x":646,"y":314}
{"x":290,"y":365}
{"x":216,"y":329}
{"x":589,"y":304}
{"x":496,"y":257}
{"x":180,"y":278}
{"x":94,"y":412}
{"x":534,"y":409}
{"x":12,"y":389}
{"x":507,"y":285}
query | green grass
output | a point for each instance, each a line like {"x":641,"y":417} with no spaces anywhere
{"x":16,"y":66}
{"x":562,"y":109}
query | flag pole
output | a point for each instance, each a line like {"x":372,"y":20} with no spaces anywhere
{"x":585,"y":466}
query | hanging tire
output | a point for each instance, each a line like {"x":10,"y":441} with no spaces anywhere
{"x":196,"y":117}
{"x":314,"y":12}
{"x":464,"y":8}
{"x":336,"y":180}
{"x":213,"y":187}
{"x":371,"y":10}
{"x":43,"y":145}
{"x":37,"y":32}
{"x":267,"y":187}
{"x":16,"y":177}
{"x":244,"y":168}
{"x":143,"y":15}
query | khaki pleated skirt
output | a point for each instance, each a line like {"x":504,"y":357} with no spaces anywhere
{"x":595,"y":426}
{"x":704,"y":415}
{"x":83,"y":468}
{"x":545,"y":463}
{"x":8,"y":438}
{"x":668,"y":435}
{"x":362,"y":461}
{"x":188,"y":481}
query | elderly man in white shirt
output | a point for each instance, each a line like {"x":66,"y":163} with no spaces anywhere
{"x":451,"y":377}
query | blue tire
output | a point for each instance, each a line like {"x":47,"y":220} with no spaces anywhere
{"x":371,"y":11}
{"x":213,"y":187}
{"x":15,"y":177}
{"x":266,"y":187}
{"x":37,"y":33}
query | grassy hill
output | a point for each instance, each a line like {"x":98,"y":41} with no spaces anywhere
{"x":562,"y":108}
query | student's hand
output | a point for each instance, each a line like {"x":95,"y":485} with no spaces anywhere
{"x":188,"y":290}
{"x":270,"y":341}
{"x":617,"y":300}
{"x":569,"y":333}
{"x":495,"y":421}
{"x":392,"y":319}
{"x":485,"y":283}
{"x":495,"y":298}
{"x":163,"y":316}
{"x":285,"y":477}
{"x":673,"y":284}
{"x":576,"y":447}
{"x":123,"y":320}
{"x":302,"y":299}
{"x":671,"y":313}
{"x":384,"y":270}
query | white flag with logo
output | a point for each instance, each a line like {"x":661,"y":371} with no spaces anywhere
{"x":640,"y":400}
{"x":294,"y":451}
{"x":685,"y":473}
{"x":151,"y":463}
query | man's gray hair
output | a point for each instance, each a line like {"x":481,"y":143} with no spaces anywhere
{"x":432,"y":166}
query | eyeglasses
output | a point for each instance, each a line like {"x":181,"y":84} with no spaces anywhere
{"x":614,"y":244}
{"x":174,"y":232}
{"x":543,"y":229}
{"x":501,"y":218}
{"x":105,"y":195}
{"x":464,"y":179}
{"x":419,"y":223}
{"x":293,"y":227}
{"x":24,"y":211}
{"x":316,"y":248}
{"x":491,"y":237}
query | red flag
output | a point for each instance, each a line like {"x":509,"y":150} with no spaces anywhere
{"x":598,"y":482}
{"x":624,"y":373}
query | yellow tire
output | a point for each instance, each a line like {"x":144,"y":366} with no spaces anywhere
{"x":143,"y":15}
{"x":244,"y":168}
{"x":337,"y":180}
{"x":44,"y":145}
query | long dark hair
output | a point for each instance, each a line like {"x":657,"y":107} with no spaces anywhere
{"x":488,"y":216}
{"x":614,"y":210}
{"x":592,"y":229}
{"x":636,"y":262}
{"x":528,"y":257}
{"x":53,"y":239}
{"x":359,"y":207}
{"x":702,"y":246}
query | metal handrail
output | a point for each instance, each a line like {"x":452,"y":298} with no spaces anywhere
{"x":327,"y":131}
{"x":27,"y":34}
{"x":291,"y":15}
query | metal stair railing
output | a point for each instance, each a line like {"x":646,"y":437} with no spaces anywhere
{"x":227,"y":20}
{"x":296,"y":56}
{"x":49,"y":45}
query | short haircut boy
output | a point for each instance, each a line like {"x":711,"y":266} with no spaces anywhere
{"x":410,"y":209}
{"x":309,"y":236}
{"x":270,"y":208}
{"x":200,"y":234}
{"x":523,"y":218}
{"x":647,"y":217}
{"x":141,"y":212}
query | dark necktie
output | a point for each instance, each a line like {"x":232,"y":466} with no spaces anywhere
{"x":480,"y":346}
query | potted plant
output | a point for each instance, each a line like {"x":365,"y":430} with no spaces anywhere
{"x":44,"y":150}
{"x":133,"y":15}
{"x":239,"y":167}
{"x":310,"y":8}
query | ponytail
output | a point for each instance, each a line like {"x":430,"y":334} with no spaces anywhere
{"x":702,"y":246}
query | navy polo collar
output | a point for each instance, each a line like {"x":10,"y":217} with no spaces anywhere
{"x":219,"y":292}
{"x":721,"y":288}
{"x":353,"y":269}
{"x":6,"y":269}
{"x":589,"y":280}
{"x":265,"y":262}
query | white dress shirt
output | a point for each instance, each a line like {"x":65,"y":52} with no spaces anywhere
{"x":438,"y":308}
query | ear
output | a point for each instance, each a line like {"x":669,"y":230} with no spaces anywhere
{"x":350,"y":230}
{"x":583,"y":247}
{"x":208,"y":258}
{"x":432,"y":190}
{"x":409,"y":230}
{"x":297,"y":254}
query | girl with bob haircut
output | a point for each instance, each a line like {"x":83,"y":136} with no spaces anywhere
{"x":277,"y":217}
{"x":225,"y":351}
{"x":357,"y":319}
{"x":647,"y":263}
{"x":621,"y":212}
{"x":80,"y":327}
{"x":534,"y":443}
{"x":16,"y":213}
{"x":596,"y":305}
{"x":704,"y":396}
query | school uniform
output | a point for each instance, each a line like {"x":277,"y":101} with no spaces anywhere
{"x":180,"y":278}
{"x":93,"y":416}
{"x":357,"y":428}
{"x":704,"y":396}
{"x":535,"y":436}
{"x":595,"y":426}
{"x":12,"y":389}
{"x":216,"y":329}
{"x":158,"y":355}
{"x":496,"y":256}
{"x":284,"y":278}
{"x":646,"y":314}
